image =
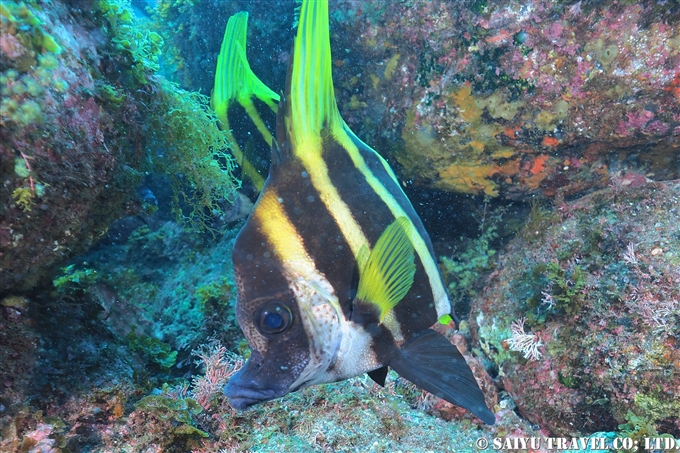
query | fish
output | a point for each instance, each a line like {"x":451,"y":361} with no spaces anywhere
{"x":335,"y":273}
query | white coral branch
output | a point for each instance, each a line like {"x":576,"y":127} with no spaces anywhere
{"x":526,"y":343}
{"x":629,"y":255}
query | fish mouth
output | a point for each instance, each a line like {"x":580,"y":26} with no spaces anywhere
{"x":241,"y":398}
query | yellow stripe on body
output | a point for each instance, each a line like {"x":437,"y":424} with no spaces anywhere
{"x":318,"y":174}
{"x":312,"y":104}
{"x":287,"y":244}
{"x":283,"y":236}
{"x":441,"y":298}
{"x":312,"y":108}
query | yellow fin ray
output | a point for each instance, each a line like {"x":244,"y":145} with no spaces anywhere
{"x":312,"y":98}
{"x":236,"y":82}
{"x":388,"y":273}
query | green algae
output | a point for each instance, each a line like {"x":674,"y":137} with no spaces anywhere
{"x":110,"y":94}
{"x":23,"y":198}
{"x":75,"y":280}
{"x":142,"y":46}
{"x":181,"y":410}
{"x":158,"y":352}
{"x":195,"y":155}
{"x":214,"y":296}
{"x":464,"y":271}
{"x":183,"y":139}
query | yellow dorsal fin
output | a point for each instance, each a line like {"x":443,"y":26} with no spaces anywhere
{"x":234,"y":80}
{"x":310,"y":85}
{"x":387,"y":274}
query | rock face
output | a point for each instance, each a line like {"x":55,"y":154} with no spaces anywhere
{"x":513,"y":99}
{"x":582,"y":317}
{"x":84,"y":116}
{"x":60,"y":153}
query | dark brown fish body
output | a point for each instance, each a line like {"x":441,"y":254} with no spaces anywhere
{"x":332,"y":212}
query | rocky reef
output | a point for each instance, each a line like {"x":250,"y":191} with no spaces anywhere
{"x":539,"y":142}
{"x":581,"y":315}
{"x":84,"y":117}
{"x":513,"y":99}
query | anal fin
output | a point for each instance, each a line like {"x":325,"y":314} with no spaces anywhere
{"x":379,"y":376}
{"x":432,"y":363}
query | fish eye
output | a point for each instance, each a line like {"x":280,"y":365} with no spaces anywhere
{"x":274,"y":317}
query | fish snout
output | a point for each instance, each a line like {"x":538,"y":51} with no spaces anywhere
{"x":241,"y":395}
{"x":249,"y":386}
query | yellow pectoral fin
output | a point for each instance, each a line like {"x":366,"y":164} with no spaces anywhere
{"x":388,"y":273}
{"x":362,"y":257}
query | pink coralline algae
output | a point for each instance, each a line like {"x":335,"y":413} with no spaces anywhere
{"x":11,"y":47}
{"x":641,"y":122}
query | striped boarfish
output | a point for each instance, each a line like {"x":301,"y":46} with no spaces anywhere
{"x":335,"y":273}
